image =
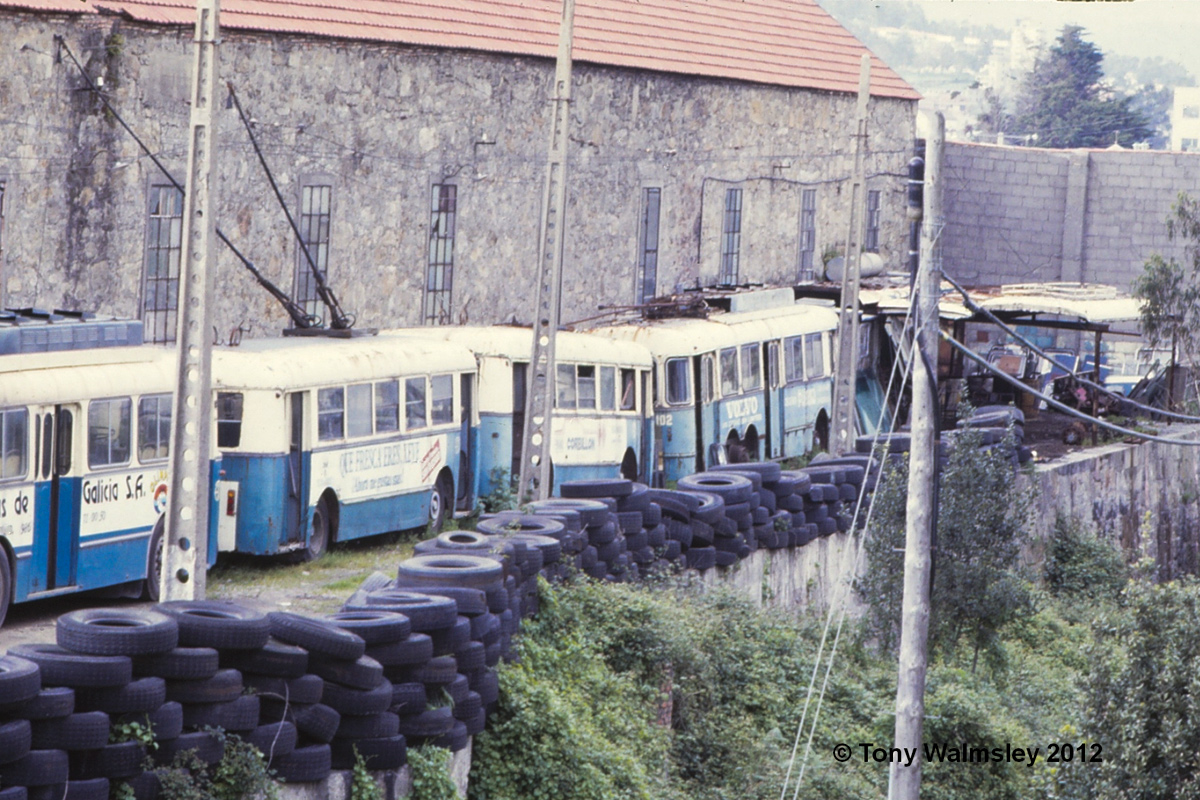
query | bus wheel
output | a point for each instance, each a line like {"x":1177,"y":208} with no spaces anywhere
{"x":6,"y":584}
{"x":154,"y":565}
{"x":441,"y":502}
{"x":318,"y":532}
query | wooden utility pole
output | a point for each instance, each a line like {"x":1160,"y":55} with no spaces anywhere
{"x":847,"y":349}
{"x":534,"y":474}
{"x":189,"y":496}
{"x":904,"y":782}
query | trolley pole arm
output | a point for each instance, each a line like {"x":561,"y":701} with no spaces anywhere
{"x":337,"y":318}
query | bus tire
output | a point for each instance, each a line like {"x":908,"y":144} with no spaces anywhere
{"x":318,"y":533}
{"x":441,"y":501}
{"x":152,"y":586}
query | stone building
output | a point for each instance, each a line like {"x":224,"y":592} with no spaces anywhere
{"x":711,"y":141}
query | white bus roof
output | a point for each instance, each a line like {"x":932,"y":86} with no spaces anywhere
{"x":289,"y":363}
{"x":691,"y":336}
{"x":73,"y":375}
{"x":513,"y":342}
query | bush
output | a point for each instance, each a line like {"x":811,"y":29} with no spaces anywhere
{"x":1079,"y":566}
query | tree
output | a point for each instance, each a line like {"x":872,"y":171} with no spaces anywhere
{"x":1064,"y":101}
{"x":1171,"y":290}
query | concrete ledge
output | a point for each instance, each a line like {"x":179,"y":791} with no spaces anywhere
{"x":394,"y":784}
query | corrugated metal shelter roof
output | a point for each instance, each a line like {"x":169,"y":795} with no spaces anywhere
{"x":780,"y":42}
{"x":1093,"y":303}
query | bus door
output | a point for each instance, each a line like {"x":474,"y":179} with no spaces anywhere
{"x":57,"y":559}
{"x":296,"y":479}
{"x":466,"y":477}
{"x":646,"y":450}
{"x":773,"y":409}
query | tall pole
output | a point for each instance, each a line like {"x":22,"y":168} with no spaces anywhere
{"x":847,"y":349}
{"x":534,"y":475}
{"x":188,"y":496}
{"x":905,"y":781}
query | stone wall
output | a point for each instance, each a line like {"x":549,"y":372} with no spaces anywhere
{"x":1016,"y":215}
{"x":382,"y":124}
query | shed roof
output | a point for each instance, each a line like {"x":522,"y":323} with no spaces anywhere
{"x":780,"y":42}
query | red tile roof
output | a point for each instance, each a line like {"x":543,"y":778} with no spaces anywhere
{"x":781,"y":42}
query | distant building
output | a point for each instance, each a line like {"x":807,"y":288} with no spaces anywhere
{"x":1185,"y":119}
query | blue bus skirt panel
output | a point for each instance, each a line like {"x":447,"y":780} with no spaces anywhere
{"x":29,"y":576}
{"x":383,"y":514}
{"x":114,"y":557}
{"x":494,"y":452}
{"x":262,"y":500}
{"x":739,"y":413}
{"x":678,"y":442}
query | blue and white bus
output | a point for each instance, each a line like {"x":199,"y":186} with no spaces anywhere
{"x":84,"y":439}
{"x":741,"y":386}
{"x":602,"y":390}
{"x":326,"y":440}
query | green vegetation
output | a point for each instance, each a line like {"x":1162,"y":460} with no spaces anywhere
{"x":1170,"y":289}
{"x":431,"y":774}
{"x":362,"y":783}
{"x":241,"y":774}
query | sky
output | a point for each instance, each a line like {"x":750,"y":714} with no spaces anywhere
{"x":1142,"y":28}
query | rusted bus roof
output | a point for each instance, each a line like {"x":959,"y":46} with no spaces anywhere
{"x":780,"y":42}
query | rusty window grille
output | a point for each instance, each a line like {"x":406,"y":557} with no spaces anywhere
{"x":647,"y":285}
{"x":315,"y":202}
{"x":731,"y":237}
{"x":871,"y":241}
{"x":164,"y":244}
{"x":808,"y":233}
{"x":439,"y":279}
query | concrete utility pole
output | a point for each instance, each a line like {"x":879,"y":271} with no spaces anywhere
{"x":534,"y":475}
{"x":847,"y":350}
{"x":188,"y":496}
{"x":904,"y":782}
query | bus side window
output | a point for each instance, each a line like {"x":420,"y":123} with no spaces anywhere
{"x":729,"y":376}
{"x":387,"y":406}
{"x":751,"y":367}
{"x":773,"y":364}
{"x":628,"y":390}
{"x":586,"y":386}
{"x":679,"y":386}
{"x":331,"y":419}
{"x":706,"y":378}
{"x":814,"y":355}
{"x":359,"y":416}
{"x":564,"y":386}
{"x":229,"y":419}
{"x":608,"y":388}
{"x":14,"y":443}
{"x":108,"y":431}
{"x":793,"y":359}
{"x":414,"y":403}
{"x":442,"y":400}
{"x":154,"y":427}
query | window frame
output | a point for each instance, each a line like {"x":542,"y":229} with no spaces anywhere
{"x":381,"y":406}
{"x":108,"y":402}
{"x":355,"y":417}
{"x":793,"y":360}
{"x":808,"y":361}
{"x":23,"y":450}
{"x":160,"y":290}
{"x":735,"y":383}
{"x":423,"y":380}
{"x":439,"y":272}
{"x":159,"y":399}
{"x":432,"y":396}
{"x":806,"y":272}
{"x":750,"y":369}
{"x":648,"y":244}
{"x":304,"y":284}
{"x":871,"y":238}
{"x":687,"y":380}
{"x":329,"y":412}
{"x":226,"y":402}
{"x":731,"y":238}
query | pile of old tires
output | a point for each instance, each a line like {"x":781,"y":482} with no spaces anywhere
{"x":305,"y":691}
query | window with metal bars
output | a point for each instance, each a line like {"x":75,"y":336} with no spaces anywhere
{"x":164,"y":245}
{"x":647,"y":281}
{"x":315,"y":203}
{"x":808,"y":233}
{"x":440,"y":277}
{"x":871,"y":240}
{"x":731,"y":237}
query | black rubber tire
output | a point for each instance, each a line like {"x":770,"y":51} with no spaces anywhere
{"x":221,"y":625}
{"x":368,"y":726}
{"x":629,"y":521}
{"x":94,"y":789}
{"x":123,"y":760}
{"x":14,"y":792}
{"x":408,"y":698}
{"x":16,"y":739}
{"x":456,"y":739}
{"x":468,"y":706}
{"x":476,"y":723}
{"x":318,"y":722}
{"x":317,"y":636}
{"x":345,"y":700}
{"x":725,"y":559}
{"x":181,"y":664}
{"x":85,"y":731}
{"x":447,"y":640}
{"x":730,"y":486}
{"x":701,"y":558}
{"x":680,"y":532}
{"x":20,"y":678}
{"x":425,"y":612}
{"x":482,"y":625}
{"x":441,"y":502}
{"x":602,"y":535}
{"x":117,"y":632}
{"x":141,"y":695}
{"x":166,"y":721}
{"x":551,"y":548}
{"x":145,"y":786}
{"x":768,"y":471}
{"x":596,"y":487}
{"x":507,"y":523}
{"x":827,"y":526}
{"x":636,"y":500}
{"x":320,"y":533}
{"x":237,"y":715}
{"x":416,"y":649}
{"x":304,"y":690}
{"x":49,"y":703}
{"x":380,"y":754}
{"x":467,"y":600}
{"x":224,"y":686}
{"x":304,"y":764}
{"x":374,"y":627}
{"x":439,"y":671}
{"x":363,"y":673}
{"x":274,"y":739}
{"x":36,"y":768}
{"x":591,"y":512}
{"x":488,"y":686}
{"x":450,"y":570}
{"x":278,"y":659}
{"x":209,"y":749}
{"x":432,"y":722}
{"x":152,"y":584}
